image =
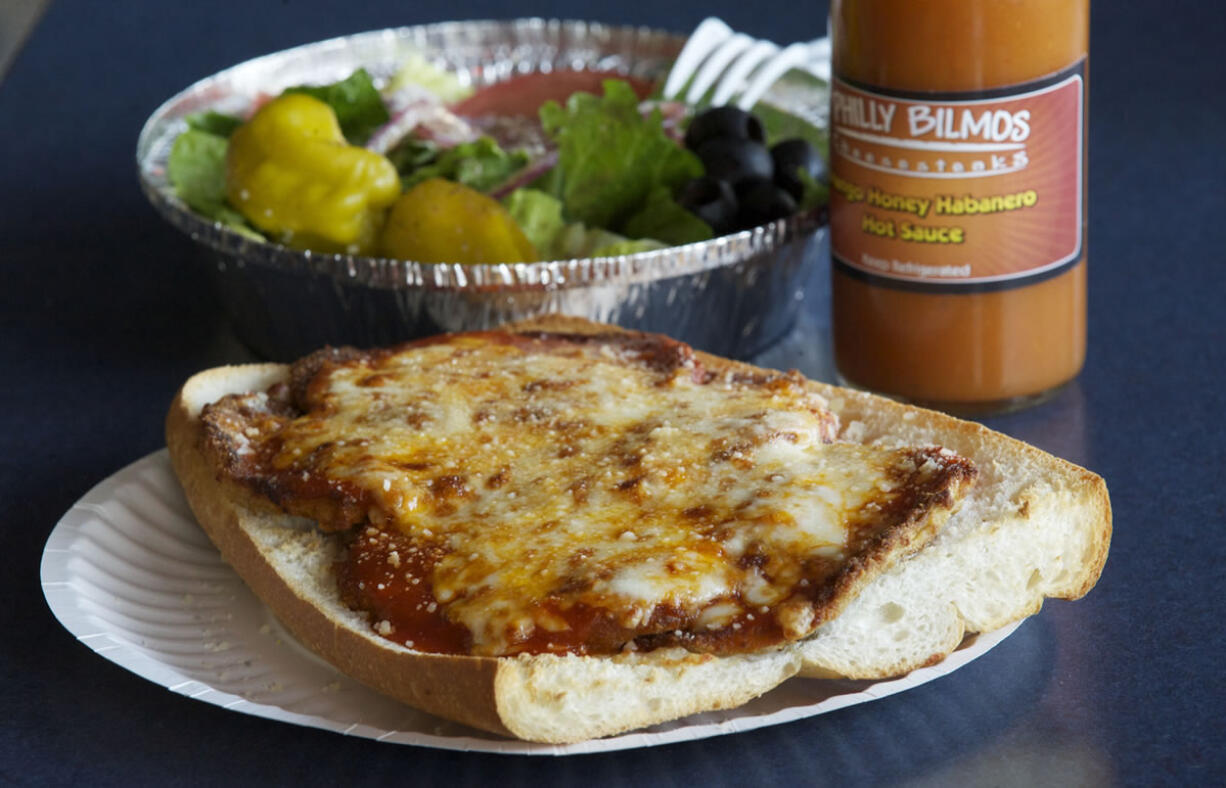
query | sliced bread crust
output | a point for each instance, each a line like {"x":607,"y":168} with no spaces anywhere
{"x":1033,"y":526}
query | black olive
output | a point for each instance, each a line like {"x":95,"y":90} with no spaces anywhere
{"x":734,"y":160}
{"x":765,"y":202}
{"x":711,"y":200}
{"x":746,"y":185}
{"x":720,"y":122}
{"x":793,"y":155}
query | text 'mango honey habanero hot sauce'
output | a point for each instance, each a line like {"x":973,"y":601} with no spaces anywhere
{"x":958,"y":198}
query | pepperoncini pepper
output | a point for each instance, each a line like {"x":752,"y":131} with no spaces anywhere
{"x":290,"y":172}
{"x":438,"y":221}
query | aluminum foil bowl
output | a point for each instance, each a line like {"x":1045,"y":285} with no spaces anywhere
{"x":733,"y":295}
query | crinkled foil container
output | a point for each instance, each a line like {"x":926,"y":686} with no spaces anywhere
{"x":733,"y":295}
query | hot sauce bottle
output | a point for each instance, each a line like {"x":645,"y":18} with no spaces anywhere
{"x":958,"y":198}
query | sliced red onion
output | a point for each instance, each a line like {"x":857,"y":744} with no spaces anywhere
{"x":402,"y":123}
{"x":672,"y":116}
{"x":416,"y":109}
{"x":533,"y":170}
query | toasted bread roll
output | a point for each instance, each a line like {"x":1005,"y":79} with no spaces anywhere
{"x":1032,"y":526}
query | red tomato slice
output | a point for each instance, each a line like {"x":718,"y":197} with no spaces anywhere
{"x":523,"y":95}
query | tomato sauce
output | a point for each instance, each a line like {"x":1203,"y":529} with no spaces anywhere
{"x":974,"y":300}
{"x":388,"y":575}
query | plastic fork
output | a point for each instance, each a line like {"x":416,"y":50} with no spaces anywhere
{"x":737,"y":65}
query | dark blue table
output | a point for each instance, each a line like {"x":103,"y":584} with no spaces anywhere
{"x":102,"y":318}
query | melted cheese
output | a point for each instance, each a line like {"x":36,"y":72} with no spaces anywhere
{"x":581,"y":476}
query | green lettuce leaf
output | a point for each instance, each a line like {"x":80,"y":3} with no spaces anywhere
{"x":813,"y":192}
{"x":578,"y":240}
{"x":416,"y":70}
{"x":780,"y":125}
{"x":627,"y":247}
{"x":479,"y":165}
{"x":214,"y":123}
{"x":664,"y":220}
{"x":611,"y":157}
{"x":538,"y":214}
{"x":412,"y":153}
{"x":197,"y":171}
{"x":358,"y":106}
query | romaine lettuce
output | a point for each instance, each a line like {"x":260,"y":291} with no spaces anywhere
{"x":416,"y":70}
{"x":539,"y":215}
{"x":611,"y":157}
{"x":214,"y":123}
{"x":196,"y":168}
{"x":479,"y":165}
{"x":358,"y":106}
{"x":664,"y":220}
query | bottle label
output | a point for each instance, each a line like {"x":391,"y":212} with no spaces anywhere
{"x":958,"y":192}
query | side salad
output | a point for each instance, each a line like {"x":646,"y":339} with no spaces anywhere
{"x":422,"y":169}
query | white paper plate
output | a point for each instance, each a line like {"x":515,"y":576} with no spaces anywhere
{"x":131,"y":575}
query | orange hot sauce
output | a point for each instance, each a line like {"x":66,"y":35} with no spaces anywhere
{"x":958,"y":198}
